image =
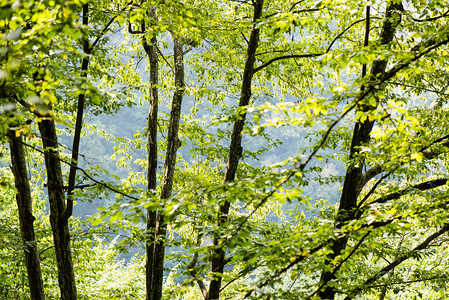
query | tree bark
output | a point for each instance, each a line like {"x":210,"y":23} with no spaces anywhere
{"x":156,"y":226}
{"x":151,"y":51}
{"x":26,"y":218}
{"x":235,"y":151}
{"x":79,"y":121}
{"x":56,"y":196}
{"x":361,"y":136}
{"x":173,"y":144}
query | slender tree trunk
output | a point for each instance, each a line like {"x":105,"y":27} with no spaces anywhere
{"x":56,"y":196}
{"x":156,"y":226}
{"x":235,"y":152}
{"x":79,"y":121}
{"x":26,"y":218}
{"x":173,"y":143}
{"x":151,"y":50}
{"x":361,"y":136}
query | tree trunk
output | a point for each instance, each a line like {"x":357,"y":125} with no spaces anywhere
{"x":59,"y":224}
{"x":361,"y":136}
{"x":151,"y":51}
{"x":26,"y":218}
{"x":79,"y":121}
{"x":173,"y":143}
{"x":156,"y":225}
{"x":235,"y":152}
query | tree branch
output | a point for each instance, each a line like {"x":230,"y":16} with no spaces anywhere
{"x":423,"y":186}
{"x":445,"y":277}
{"x":427,"y":153}
{"x":297,"y":260}
{"x":368,"y":175}
{"x":106,"y":27}
{"x":296,"y":3}
{"x":103,"y":31}
{"x":421,"y":89}
{"x":431,"y":44}
{"x":301,"y":258}
{"x":307,"y":55}
{"x":445,"y":14}
{"x":286,"y":57}
{"x":397,"y":262}
{"x":372,"y":190}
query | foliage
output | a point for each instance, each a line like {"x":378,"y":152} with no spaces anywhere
{"x":308,"y":94}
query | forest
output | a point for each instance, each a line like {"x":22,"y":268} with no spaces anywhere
{"x":235,"y":149}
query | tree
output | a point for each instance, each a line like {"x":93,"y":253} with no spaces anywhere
{"x":235,"y":150}
{"x":26,"y":218}
{"x":16,"y":93}
{"x":361,"y":135}
{"x":58,"y":33}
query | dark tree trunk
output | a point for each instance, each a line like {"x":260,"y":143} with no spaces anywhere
{"x":235,"y":151}
{"x":56,"y":196}
{"x":156,"y":226}
{"x":26,"y":218}
{"x":151,"y":50}
{"x":79,"y":121}
{"x":361,"y":136}
{"x":173,"y":143}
